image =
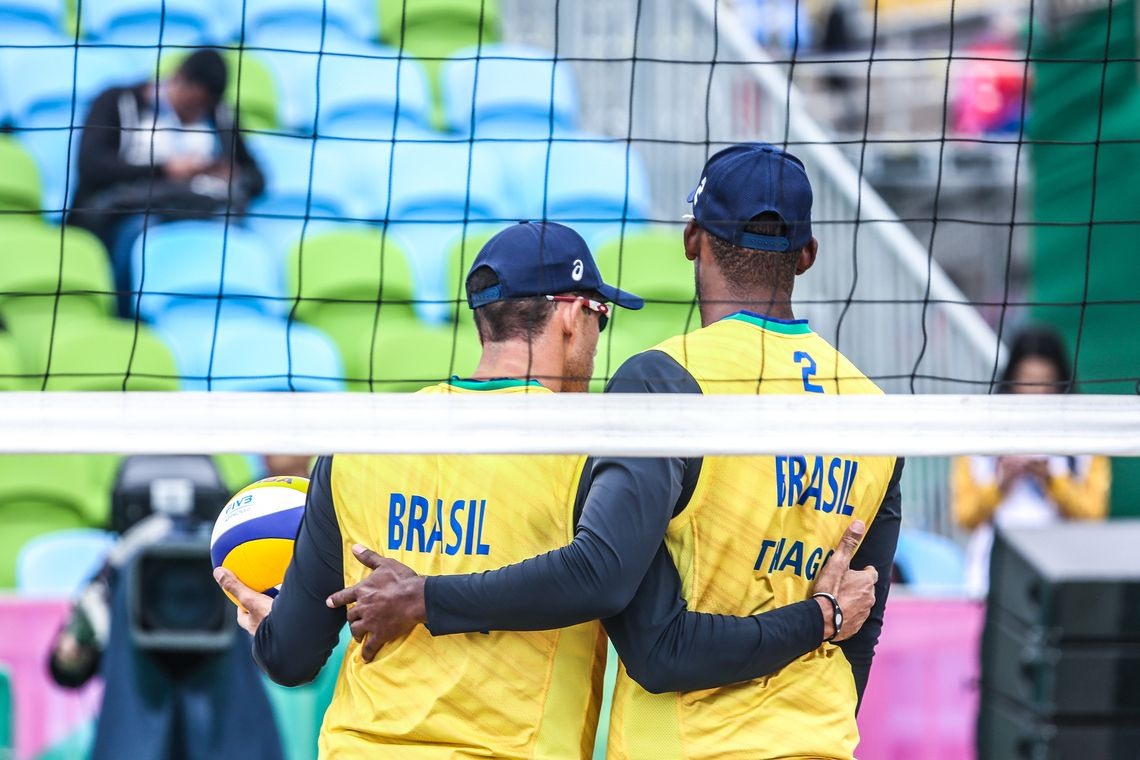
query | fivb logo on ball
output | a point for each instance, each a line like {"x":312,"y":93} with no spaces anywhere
{"x":253,"y":536}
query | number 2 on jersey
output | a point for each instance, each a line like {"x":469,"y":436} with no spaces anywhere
{"x":808,"y":371}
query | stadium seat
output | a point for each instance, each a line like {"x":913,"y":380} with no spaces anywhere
{"x":75,"y":746}
{"x":143,"y":22}
{"x":929,"y":563}
{"x":652,"y":264}
{"x":417,"y":355}
{"x":519,"y":92}
{"x":592,"y":185}
{"x":251,"y":352}
{"x":459,"y":259}
{"x":60,"y":563}
{"x":187,"y":261}
{"x":298,"y":24}
{"x":111,"y":355}
{"x":649,"y":262}
{"x":44,"y":493}
{"x":433,"y":30}
{"x":45,"y":270}
{"x":337,"y":277}
{"x":6,"y":715}
{"x":368,"y":96}
{"x":11,"y":365}
{"x":307,"y":186}
{"x":21,"y":191}
{"x":438,"y":191}
{"x":439,"y":26}
{"x":30,"y":22}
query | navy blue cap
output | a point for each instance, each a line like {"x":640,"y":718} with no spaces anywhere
{"x":745,"y":180}
{"x":542,"y":259}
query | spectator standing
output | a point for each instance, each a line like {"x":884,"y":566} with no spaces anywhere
{"x":1026,"y":491}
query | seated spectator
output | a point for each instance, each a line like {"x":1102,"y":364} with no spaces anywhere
{"x":1026,"y":491}
{"x":158,"y":151}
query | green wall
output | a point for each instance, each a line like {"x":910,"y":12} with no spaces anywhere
{"x":1086,"y":203}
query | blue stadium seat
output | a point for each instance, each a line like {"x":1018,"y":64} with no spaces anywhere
{"x":360,"y":95}
{"x":30,"y":22}
{"x":520,"y":91}
{"x":296,"y":75}
{"x":295,"y":192}
{"x":436,"y":188}
{"x":297,"y":24}
{"x":186,"y":261}
{"x":249,"y":352}
{"x":592,"y":185}
{"x":930,"y":563}
{"x":61,"y":562}
{"x":146,"y":23}
{"x":38,"y":85}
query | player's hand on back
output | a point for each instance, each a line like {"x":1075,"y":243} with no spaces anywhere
{"x":253,"y":606}
{"x":386,"y":605}
{"x":854,"y":589}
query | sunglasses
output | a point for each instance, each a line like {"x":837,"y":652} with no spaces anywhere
{"x":601,"y":309}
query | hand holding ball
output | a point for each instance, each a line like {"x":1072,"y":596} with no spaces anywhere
{"x":253,"y":536}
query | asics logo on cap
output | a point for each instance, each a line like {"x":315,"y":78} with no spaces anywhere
{"x":700,"y":189}
{"x":576,"y":272}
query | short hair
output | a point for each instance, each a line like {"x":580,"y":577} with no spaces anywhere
{"x":206,"y":69}
{"x":746,"y":269}
{"x":1041,"y":343}
{"x":517,"y":318}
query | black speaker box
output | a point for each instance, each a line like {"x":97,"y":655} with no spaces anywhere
{"x":1081,"y":579}
{"x":1008,"y":732}
{"x":1034,"y":668}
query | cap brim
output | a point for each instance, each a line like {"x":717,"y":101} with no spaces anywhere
{"x":620,"y":297}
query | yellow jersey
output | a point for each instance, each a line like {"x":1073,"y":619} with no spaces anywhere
{"x":751,"y":538}
{"x":503,"y":694}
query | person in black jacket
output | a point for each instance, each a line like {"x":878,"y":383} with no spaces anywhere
{"x":157,"y":151}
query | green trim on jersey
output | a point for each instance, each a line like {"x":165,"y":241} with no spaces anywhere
{"x":490,"y":385}
{"x":799,"y":327}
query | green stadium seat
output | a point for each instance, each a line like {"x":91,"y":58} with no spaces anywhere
{"x":432,"y":30}
{"x":459,"y":259}
{"x":337,"y":277}
{"x":11,"y":367}
{"x":7,"y":718}
{"x":98,"y":355}
{"x":33,"y":286}
{"x":414,"y":355}
{"x":43,"y":493}
{"x":21,"y":189}
{"x":420,"y":22}
{"x":651,"y":264}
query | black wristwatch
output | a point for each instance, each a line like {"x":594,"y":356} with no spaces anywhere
{"x":836,"y":613}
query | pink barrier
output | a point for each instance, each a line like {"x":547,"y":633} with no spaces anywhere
{"x":45,"y":713}
{"x":921,"y":701}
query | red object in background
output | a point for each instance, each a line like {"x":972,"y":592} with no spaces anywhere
{"x":989,"y":90}
{"x":921,"y":701}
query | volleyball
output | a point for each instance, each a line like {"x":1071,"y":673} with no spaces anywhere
{"x":253,"y":536}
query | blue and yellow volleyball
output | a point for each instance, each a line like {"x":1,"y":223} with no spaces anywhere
{"x":253,"y":536}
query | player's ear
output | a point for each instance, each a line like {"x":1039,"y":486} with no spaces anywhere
{"x":692,"y":237}
{"x":807,"y":256}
